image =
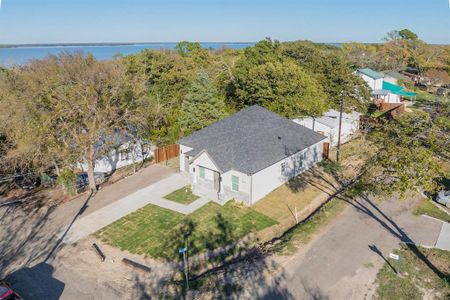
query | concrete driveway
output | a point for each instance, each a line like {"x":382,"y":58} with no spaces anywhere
{"x":443,"y":241}
{"x":152,"y":194}
{"x":342,"y":263}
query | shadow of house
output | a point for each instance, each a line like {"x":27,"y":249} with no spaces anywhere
{"x":36,"y":282}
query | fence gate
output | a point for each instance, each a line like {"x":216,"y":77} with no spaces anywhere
{"x":166,"y":153}
{"x":326,"y":150}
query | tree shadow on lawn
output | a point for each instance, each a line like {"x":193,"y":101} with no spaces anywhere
{"x":364,"y":205}
{"x":228,"y":269}
{"x":315,"y":178}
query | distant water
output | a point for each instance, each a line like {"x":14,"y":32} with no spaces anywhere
{"x":21,"y":55}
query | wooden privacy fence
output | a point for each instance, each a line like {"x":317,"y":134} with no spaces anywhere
{"x":393,"y":108}
{"x":166,"y":153}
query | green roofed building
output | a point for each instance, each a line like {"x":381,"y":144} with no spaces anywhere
{"x":383,"y":91}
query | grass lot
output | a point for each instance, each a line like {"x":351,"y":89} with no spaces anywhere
{"x":417,"y":280}
{"x":426,"y":207}
{"x":304,"y":232}
{"x":158,"y":232}
{"x":183,"y":195}
{"x":280,"y":204}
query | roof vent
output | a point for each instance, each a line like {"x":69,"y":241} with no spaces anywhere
{"x":279,"y":137}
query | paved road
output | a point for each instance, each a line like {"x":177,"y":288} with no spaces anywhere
{"x":343,"y":262}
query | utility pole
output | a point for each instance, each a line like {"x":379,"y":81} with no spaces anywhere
{"x":340,"y":127}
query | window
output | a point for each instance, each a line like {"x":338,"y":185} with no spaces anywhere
{"x":300,"y":161}
{"x":123,"y":154}
{"x":283,"y":167}
{"x":201,"y":172}
{"x":234,"y":183}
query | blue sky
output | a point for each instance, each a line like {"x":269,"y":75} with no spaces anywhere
{"x":75,"y":21}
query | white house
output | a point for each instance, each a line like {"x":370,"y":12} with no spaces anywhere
{"x":384,"y":86}
{"x":373,"y":78}
{"x":124,"y":151}
{"x":247,"y":155}
{"x":328,"y":125}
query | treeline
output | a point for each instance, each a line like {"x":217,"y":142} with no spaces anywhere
{"x":60,"y":111}
{"x":401,"y":50}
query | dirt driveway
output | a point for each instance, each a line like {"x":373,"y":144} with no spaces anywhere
{"x":29,"y":239}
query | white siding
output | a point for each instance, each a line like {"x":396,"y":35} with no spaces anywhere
{"x":123,"y":156}
{"x":244,"y":192}
{"x":205,"y":161}
{"x":183,"y":150}
{"x":374,"y":84}
{"x":268,"y":179}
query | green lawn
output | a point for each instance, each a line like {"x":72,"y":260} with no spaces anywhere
{"x":158,"y":232}
{"x":425,"y":207}
{"x":183,"y":195}
{"x":417,"y":280}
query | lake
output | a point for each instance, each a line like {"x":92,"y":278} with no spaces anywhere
{"x":21,"y":55}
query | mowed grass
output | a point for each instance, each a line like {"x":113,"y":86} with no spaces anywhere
{"x":417,"y":280}
{"x":183,"y":195}
{"x":425,"y":207}
{"x":155,"y":231}
{"x":281,"y":203}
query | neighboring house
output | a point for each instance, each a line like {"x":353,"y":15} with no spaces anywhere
{"x":247,"y":155}
{"x":384,"y":90}
{"x":374,"y":79}
{"x":328,"y":125}
{"x":124,"y":152}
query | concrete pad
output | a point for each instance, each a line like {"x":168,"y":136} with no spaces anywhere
{"x":443,"y":241}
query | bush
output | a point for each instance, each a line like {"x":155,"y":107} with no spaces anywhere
{"x":68,"y":179}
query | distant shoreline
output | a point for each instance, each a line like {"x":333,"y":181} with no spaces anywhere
{"x":107,"y":44}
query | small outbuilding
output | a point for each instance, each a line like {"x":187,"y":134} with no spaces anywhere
{"x":247,"y":155}
{"x":328,"y":125}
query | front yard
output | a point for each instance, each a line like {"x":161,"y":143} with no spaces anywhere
{"x":183,"y":195}
{"x":158,"y":232}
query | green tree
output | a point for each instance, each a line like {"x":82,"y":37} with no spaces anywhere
{"x":333,"y":72}
{"x":407,"y":34}
{"x":264,"y":76}
{"x":202,"y":106}
{"x":406,"y":156}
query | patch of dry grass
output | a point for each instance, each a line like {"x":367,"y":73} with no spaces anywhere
{"x":300,"y":193}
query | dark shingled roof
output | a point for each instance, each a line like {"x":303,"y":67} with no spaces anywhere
{"x":250,"y":140}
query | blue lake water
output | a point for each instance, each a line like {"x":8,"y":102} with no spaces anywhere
{"x":21,"y":55}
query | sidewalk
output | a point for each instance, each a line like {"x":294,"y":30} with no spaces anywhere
{"x":443,"y":241}
{"x":152,"y":194}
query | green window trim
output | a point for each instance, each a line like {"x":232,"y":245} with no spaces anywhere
{"x":235,"y":183}
{"x":201,"y":172}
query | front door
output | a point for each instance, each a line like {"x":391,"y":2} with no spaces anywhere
{"x":326,"y":150}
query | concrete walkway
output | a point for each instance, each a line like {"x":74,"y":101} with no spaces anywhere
{"x":443,"y":241}
{"x":153,"y":194}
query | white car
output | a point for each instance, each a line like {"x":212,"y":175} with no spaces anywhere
{"x":443,"y":197}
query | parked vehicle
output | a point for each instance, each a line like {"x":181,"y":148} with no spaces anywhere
{"x":83,"y":180}
{"x":443,"y":197}
{"x":27,"y":182}
{"x":6,"y":292}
